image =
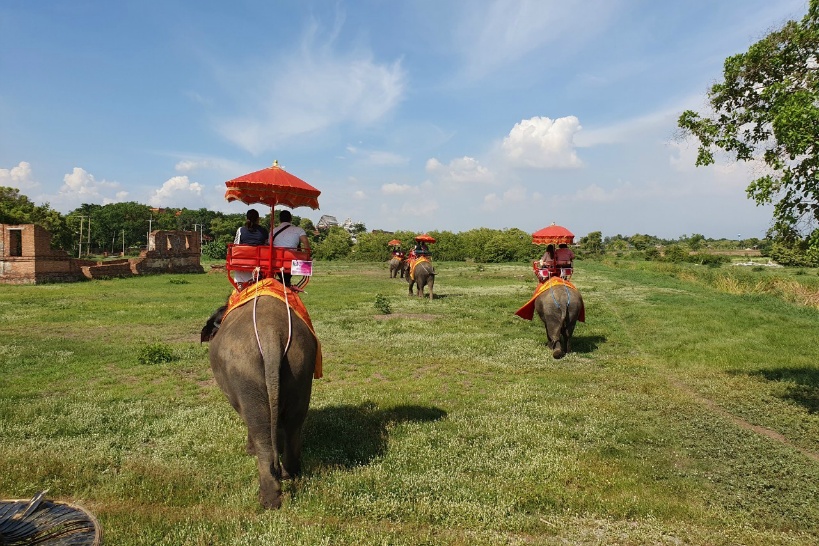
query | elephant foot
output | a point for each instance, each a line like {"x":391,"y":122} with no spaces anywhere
{"x":271,"y":500}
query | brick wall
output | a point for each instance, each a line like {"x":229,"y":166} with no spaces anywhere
{"x":37,"y":262}
{"x":170,"y":252}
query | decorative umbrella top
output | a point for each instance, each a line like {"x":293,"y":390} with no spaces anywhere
{"x":425,"y":238}
{"x":553,"y":235}
{"x":394,"y":242}
{"x":272,"y":186}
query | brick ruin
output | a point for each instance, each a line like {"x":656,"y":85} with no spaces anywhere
{"x":26,"y":257}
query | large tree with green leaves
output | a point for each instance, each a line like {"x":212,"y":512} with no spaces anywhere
{"x":767,"y":108}
{"x":16,"y":208}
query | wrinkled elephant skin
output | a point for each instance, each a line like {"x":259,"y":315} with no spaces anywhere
{"x":424,"y":277}
{"x":559,"y":308}
{"x":272,"y":392}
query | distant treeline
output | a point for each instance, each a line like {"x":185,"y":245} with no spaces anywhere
{"x":115,"y":227}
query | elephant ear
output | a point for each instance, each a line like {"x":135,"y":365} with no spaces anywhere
{"x":212,"y":325}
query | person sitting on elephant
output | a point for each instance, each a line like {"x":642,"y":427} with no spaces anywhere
{"x":288,"y":235}
{"x":564,"y":256}
{"x":547,"y":261}
{"x":421,"y":249}
{"x":251,"y":233}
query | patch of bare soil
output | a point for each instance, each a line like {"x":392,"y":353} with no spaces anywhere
{"x":419,"y":316}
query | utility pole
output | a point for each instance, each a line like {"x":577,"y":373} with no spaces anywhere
{"x":123,"y":243}
{"x":88,"y":245}
{"x":82,"y":221}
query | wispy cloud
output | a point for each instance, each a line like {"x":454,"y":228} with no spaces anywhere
{"x":505,"y":31}
{"x":311,"y":89}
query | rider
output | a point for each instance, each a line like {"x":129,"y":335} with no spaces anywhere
{"x":288,"y":235}
{"x":564,"y":255}
{"x":251,"y":233}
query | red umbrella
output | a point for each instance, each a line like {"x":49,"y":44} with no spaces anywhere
{"x":272,"y":186}
{"x":394,"y":242}
{"x":425,"y":238}
{"x":553,"y":235}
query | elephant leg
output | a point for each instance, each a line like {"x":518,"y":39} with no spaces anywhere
{"x":553,"y":334}
{"x":267,"y":461}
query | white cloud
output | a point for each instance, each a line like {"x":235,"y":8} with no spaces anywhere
{"x":359,"y":195}
{"x":514,"y":196}
{"x":176,"y":191}
{"x":374,"y":157}
{"x":461,"y":171}
{"x":311,"y":90}
{"x":399,"y":189}
{"x":421,"y":208}
{"x":18,"y":177}
{"x":543,"y":143}
{"x":80,"y":186}
{"x":505,"y":31}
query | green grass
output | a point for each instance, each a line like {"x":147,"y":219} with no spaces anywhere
{"x":687,"y":413}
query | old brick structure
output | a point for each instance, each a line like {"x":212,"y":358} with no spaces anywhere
{"x":26,"y":257}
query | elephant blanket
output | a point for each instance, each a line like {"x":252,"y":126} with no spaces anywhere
{"x":415,"y":262}
{"x":528,"y":310}
{"x":274,"y":288}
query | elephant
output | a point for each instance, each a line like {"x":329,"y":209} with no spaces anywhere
{"x":560,"y":307}
{"x":397,"y":267}
{"x":424,"y":276}
{"x":267,"y":381}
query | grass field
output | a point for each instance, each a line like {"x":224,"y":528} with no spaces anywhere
{"x":688,"y":412}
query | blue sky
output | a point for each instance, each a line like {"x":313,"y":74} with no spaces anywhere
{"x":419,"y":115}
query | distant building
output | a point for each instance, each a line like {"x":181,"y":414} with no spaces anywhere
{"x":326,"y":222}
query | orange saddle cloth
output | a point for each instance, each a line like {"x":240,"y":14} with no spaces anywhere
{"x":528,"y":310}
{"x":274,"y":288}
{"x":415,"y":262}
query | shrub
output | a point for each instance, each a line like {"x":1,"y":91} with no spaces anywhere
{"x":382,"y":304}
{"x":156,"y":353}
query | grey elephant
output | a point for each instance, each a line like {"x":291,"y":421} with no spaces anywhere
{"x":397,"y":267}
{"x":268,"y":380}
{"x":560,"y":307}
{"x":424,"y":276}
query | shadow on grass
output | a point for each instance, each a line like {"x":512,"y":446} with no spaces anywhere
{"x":587,"y":344}
{"x":802,"y":384}
{"x":349,"y":436}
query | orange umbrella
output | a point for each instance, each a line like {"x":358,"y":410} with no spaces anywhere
{"x":425,"y":238}
{"x":394,"y":242}
{"x":272,"y":186}
{"x":553,"y":235}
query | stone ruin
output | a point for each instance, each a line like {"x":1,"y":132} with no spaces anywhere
{"x":26,"y":257}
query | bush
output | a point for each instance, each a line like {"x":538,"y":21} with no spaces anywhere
{"x":651,"y":254}
{"x":382,"y":304}
{"x":156,"y":353}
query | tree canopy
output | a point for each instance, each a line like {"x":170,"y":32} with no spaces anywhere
{"x":767,"y":108}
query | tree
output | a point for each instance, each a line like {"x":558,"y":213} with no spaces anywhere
{"x":16,"y":208}
{"x":592,"y":243}
{"x":767,"y":108}
{"x":335,"y":246}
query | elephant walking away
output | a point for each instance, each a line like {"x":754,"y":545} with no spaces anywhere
{"x":422,"y":275}
{"x":396,"y":267}
{"x":560,"y":306}
{"x":268,"y":381}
